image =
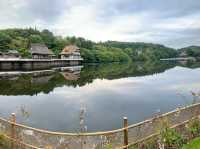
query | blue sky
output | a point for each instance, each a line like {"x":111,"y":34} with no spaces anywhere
{"x":174,"y":23}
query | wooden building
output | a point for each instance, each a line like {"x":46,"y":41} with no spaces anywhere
{"x":40,"y":51}
{"x":10,"y":54}
{"x":71,"y":52}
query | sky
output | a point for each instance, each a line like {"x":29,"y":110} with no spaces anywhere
{"x":174,"y":23}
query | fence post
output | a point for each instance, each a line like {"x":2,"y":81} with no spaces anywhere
{"x":13,"y":131}
{"x":125,"y":133}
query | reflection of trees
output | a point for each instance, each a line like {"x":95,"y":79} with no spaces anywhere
{"x":33,"y":84}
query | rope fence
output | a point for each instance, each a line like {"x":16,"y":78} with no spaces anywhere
{"x":25,"y":137}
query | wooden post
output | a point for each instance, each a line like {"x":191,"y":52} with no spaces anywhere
{"x":13,"y":131}
{"x":125,"y":133}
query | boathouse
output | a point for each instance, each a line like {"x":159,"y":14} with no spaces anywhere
{"x":40,"y":51}
{"x":10,"y":54}
{"x":71,"y":52}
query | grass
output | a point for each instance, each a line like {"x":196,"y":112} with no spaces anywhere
{"x":194,"y":144}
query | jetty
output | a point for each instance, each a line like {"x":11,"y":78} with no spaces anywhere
{"x":37,"y":64}
{"x":179,"y":59}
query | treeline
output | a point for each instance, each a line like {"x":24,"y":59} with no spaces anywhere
{"x":110,"y":51}
{"x":193,"y":51}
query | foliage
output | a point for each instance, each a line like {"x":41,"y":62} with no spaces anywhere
{"x":143,"y":51}
{"x":102,"y":52}
{"x":170,"y":137}
{"x":151,"y":143}
{"x":4,"y":41}
{"x":193,"y":51}
{"x":109,"y":146}
{"x":194,"y":144}
{"x":194,"y":127}
{"x":24,"y":53}
{"x":35,"y":39}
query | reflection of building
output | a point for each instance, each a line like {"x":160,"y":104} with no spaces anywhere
{"x":71,"y":73}
{"x":10,"y":54}
{"x":40,"y":51}
{"x":183,"y":54}
{"x":70,"y":76}
{"x":41,"y":79}
{"x":70,"y":52}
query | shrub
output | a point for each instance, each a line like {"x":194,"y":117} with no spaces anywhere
{"x":194,"y":127}
{"x":171,"y":138}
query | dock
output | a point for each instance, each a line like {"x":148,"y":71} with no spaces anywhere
{"x":36,"y":64}
{"x":179,"y":59}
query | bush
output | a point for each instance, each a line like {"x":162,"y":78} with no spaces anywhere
{"x":171,"y":138}
{"x":194,"y":127}
{"x":25,"y":53}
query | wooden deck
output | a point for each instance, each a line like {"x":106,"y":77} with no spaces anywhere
{"x":36,"y":64}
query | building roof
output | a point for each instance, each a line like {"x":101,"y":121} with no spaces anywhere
{"x":14,"y":52}
{"x":70,"y":76}
{"x":70,"y":49}
{"x":38,"y":48}
{"x":10,"y":52}
{"x":183,"y":54}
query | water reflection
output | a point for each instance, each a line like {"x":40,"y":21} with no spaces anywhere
{"x":96,"y":97}
{"x":31,"y":83}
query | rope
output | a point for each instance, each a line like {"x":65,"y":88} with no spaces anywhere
{"x":164,"y":115}
{"x":105,"y":132}
{"x":101,"y":132}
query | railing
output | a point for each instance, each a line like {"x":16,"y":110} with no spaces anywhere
{"x":28,"y":137}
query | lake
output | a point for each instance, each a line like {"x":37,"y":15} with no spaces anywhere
{"x":97,"y":97}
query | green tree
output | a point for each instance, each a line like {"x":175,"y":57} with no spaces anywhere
{"x":5,"y":40}
{"x":35,"y":39}
{"x":48,"y":38}
{"x":25,"y":53}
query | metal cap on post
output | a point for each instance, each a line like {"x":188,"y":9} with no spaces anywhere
{"x":13,"y":117}
{"x":125,"y":133}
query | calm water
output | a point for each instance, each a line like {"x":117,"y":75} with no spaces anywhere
{"x":101,"y":94}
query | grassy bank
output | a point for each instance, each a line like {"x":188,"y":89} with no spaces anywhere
{"x":194,"y":144}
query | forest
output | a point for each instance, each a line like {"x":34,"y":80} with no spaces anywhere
{"x":92,"y":52}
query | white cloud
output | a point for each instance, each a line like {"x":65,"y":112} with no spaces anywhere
{"x":185,"y":22}
{"x":108,"y":19}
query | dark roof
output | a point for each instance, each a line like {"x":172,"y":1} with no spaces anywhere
{"x":70,"y":49}
{"x":38,"y":48}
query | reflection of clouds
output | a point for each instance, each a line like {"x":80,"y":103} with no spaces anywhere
{"x":113,"y":84}
{"x":183,"y":86}
{"x":135,"y":97}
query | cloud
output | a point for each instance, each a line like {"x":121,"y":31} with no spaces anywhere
{"x":173,"y":22}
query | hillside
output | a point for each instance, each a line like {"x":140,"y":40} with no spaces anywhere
{"x":110,"y":51}
{"x":193,"y":51}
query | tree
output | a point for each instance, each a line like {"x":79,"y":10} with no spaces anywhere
{"x":48,"y":38}
{"x":35,"y":39}
{"x":24,"y":53}
{"x":5,"y":40}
